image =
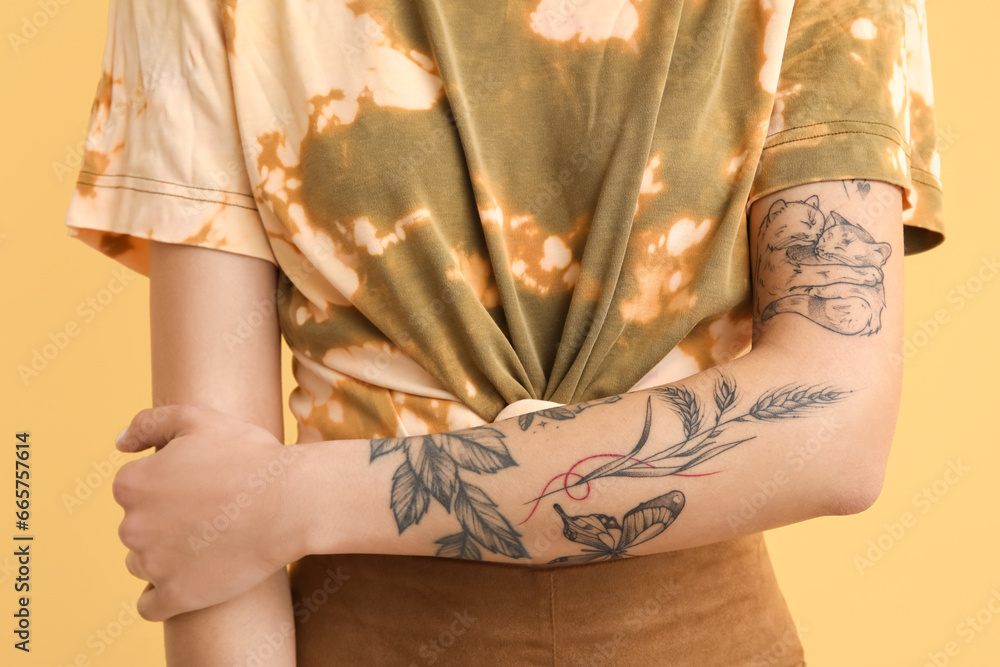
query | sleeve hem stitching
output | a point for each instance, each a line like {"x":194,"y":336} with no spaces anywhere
{"x":831,"y":134}
{"x":925,"y":182}
{"x":167,"y":194}
{"x":157,"y":180}
{"x":832,"y":122}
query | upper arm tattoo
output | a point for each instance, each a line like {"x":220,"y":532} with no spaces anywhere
{"x":820,"y":266}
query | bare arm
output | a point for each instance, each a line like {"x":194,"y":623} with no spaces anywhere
{"x":799,"y":427}
{"x":197,"y":297}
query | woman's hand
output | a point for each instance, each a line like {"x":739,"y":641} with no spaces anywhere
{"x":207,"y":515}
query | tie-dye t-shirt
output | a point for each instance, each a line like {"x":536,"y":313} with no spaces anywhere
{"x":473,"y":203}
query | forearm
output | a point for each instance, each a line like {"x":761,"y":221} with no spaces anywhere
{"x":806,"y":434}
{"x":239,"y":632}
{"x":190,"y":362}
{"x":796,"y":459}
{"x":257,"y":624}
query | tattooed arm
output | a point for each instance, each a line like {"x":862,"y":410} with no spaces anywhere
{"x":797,"y":428}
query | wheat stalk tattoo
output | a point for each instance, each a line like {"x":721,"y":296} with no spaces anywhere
{"x":701,"y":443}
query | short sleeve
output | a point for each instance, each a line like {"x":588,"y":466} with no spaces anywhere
{"x":854,"y":100}
{"x":163,"y":157}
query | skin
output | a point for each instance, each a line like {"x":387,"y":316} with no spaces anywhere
{"x":192,"y":363}
{"x":204,"y":458}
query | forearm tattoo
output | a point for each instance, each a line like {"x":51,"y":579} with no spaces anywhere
{"x":821,"y":267}
{"x":561,"y":412}
{"x":437,"y":466}
{"x":432,"y":467}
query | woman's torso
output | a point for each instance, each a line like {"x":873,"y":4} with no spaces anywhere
{"x":478,"y":203}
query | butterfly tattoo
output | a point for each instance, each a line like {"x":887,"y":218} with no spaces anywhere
{"x":606,"y":539}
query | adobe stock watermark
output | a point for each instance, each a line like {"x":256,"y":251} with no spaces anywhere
{"x":690,"y":47}
{"x":260,"y":312}
{"x":230,"y":176}
{"x":99,"y":641}
{"x":272,"y":641}
{"x":957,"y":298}
{"x":777,"y":652}
{"x":405,"y":165}
{"x":639,"y":617}
{"x":87,"y":311}
{"x":8,"y":568}
{"x":303,"y":609}
{"x":363,"y":37}
{"x":456,"y":626}
{"x":102,"y":471}
{"x":946,"y":138}
{"x":230,"y":512}
{"x":89,"y":483}
{"x":122,"y":102}
{"x":32,"y":23}
{"x":795,"y":460}
{"x":427,"y":316}
{"x":968,"y":629}
{"x":307,"y":605}
{"x":922,"y":501}
{"x":547,"y":193}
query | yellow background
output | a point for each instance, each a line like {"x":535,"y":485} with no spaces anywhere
{"x":901,"y":608}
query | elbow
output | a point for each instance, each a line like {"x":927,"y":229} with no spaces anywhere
{"x":864,"y":452}
{"x":858,"y":493}
{"x":861,"y":477}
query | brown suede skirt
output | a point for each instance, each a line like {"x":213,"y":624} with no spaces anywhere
{"x":714,"y":605}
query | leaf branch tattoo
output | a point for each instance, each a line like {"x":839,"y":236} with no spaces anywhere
{"x":562,"y":412}
{"x":821,"y":267}
{"x":703,"y":437}
{"x":432,"y":468}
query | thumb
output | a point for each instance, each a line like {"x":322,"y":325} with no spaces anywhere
{"x":155,"y":427}
{"x":152,"y":605}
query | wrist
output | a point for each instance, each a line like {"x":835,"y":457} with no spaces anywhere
{"x":301,"y":529}
{"x":328,"y":488}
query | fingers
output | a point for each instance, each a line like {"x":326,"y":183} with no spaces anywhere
{"x":147,"y":604}
{"x":155,"y":427}
{"x":133,"y":566}
{"x":154,"y":605}
{"x":128,"y":481}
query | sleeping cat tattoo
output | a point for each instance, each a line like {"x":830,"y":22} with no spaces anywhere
{"x":823,"y":268}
